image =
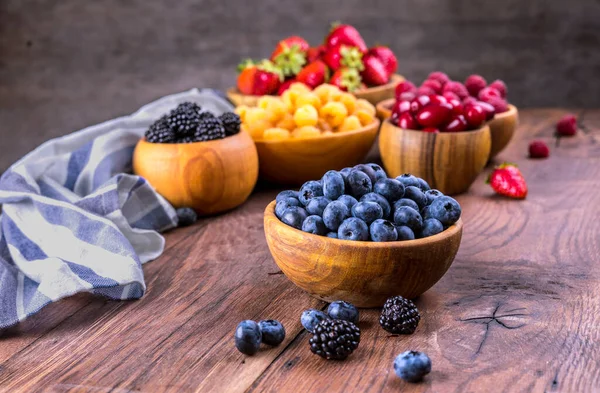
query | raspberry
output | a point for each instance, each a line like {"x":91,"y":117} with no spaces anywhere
{"x":440,"y":77}
{"x":469,"y":100}
{"x":425,"y":91}
{"x":538,"y":149}
{"x":500,"y":86}
{"x":488,"y":92}
{"x":567,"y":126}
{"x":457,"y":88}
{"x":404,"y":87}
{"x":435,"y":85}
{"x":450,"y":96}
{"x":474,"y":84}
{"x":499,"y":104}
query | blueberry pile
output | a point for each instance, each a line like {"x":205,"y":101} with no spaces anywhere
{"x":362,"y":203}
{"x":188,"y":123}
{"x":250,"y":334}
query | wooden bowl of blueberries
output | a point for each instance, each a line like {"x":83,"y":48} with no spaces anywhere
{"x":198,"y":160}
{"x":357,"y":235}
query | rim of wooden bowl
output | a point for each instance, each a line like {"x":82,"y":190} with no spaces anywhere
{"x":512,"y":110}
{"x":368,"y":128}
{"x":447,"y":233}
{"x":384,"y":108}
{"x":437,"y":134}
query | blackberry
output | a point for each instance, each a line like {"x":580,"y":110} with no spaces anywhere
{"x":159,"y":132}
{"x":231,"y":122}
{"x":399,"y":316}
{"x":209,"y":128}
{"x":186,"y":216}
{"x":335,"y":339}
{"x":184,"y":119}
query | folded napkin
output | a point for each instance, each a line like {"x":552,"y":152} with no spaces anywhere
{"x":72,"y":219}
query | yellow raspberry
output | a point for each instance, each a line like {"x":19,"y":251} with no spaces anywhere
{"x":274,"y":106}
{"x":323,"y":125}
{"x":349,"y":102}
{"x":361,"y":103}
{"x":241,"y":112}
{"x":334,"y":113}
{"x":299,"y":87}
{"x":306,"y":116}
{"x":323,"y":92}
{"x":276,"y":134}
{"x":364,"y":117}
{"x":287,"y":122}
{"x":254,"y":115}
{"x":309,"y":98}
{"x":289,"y":98}
{"x":306,"y":132}
{"x":257,"y":128}
{"x":350,"y":123}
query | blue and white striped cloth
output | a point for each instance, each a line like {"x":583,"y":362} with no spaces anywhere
{"x":72,"y":219}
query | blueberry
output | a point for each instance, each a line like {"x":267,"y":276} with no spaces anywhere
{"x":294,"y":216}
{"x":425,"y":212}
{"x":284,"y":204}
{"x":405,"y":233}
{"x":333,"y":185}
{"x":408,"y":180}
{"x":334,"y":214}
{"x":311,"y":318}
{"x":186,"y":216}
{"x":380,"y":200}
{"x":343,"y":310}
{"x":314,"y":224}
{"x":286,"y":194}
{"x":383,"y":231}
{"x":247,"y":337}
{"x":431,"y":227}
{"x":409,"y":217}
{"x":364,"y":168}
{"x":316,"y":205}
{"x":415,"y":194}
{"x":353,"y":229}
{"x":445,"y":209}
{"x":431,"y":195}
{"x":272,"y":331}
{"x":367,"y":211}
{"x":379,"y":172}
{"x":345,"y":172}
{"x":412,"y":366}
{"x":423,"y":185}
{"x":348,"y":200}
{"x":405,"y":202}
{"x":309,"y":190}
{"x":359,"y":184}
{"x":391,"y":189}
{"x":332,"y":235}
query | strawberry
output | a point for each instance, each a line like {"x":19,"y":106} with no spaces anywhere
{"x":347,"y":35}
{"x":315,"y":53}
{"x":508,"y":180}
{"x":374,"y":73}
{"x":259,"y":79}
{"x":343,"y":56}
{"x":347,"y":79}
{"x":386,"y":56}
{"x":314,"y":74}
{"x":290,"y":55}
{"x":285,"y":85}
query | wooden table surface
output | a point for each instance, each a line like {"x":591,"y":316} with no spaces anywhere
{"x":519,"y":310}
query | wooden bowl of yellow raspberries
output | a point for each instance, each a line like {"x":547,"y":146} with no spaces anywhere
{"x":302,"y":134}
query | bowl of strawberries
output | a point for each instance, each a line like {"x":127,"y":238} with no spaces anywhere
{"x":343,"y":60}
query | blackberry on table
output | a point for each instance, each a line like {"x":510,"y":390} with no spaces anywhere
{"x":184,"y":119}
{"x":231,"y":122}
{"x":399,"y":316}
{"x":160,"y":132}
{"x":186,"y":216}
{"x":209,"y":128}
{"x":335,"y":339}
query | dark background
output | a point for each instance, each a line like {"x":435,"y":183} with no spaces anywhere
{"x":66,"y":64}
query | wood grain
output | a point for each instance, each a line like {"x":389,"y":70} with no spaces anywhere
{"x":518,"y":311}
{"x":211,"y":177}
{"x":502,"y":129}
{"x":362,"y":273}
{"x":448,"y":161}
{"x":295,"y":161}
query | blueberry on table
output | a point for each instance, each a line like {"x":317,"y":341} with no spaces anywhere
{"x":309,"y":190}
{"x":391,"y":189}
{"x":379,"y":172}
{"x":423,"y":185}
{"x":408,"y":180}
{"x":272,"y":331}
{"x":412,"y":366}
{"x":348,"y":200}
{"x":380,"y":200}
{"x":415,"y":194}
{"x":367,"y":211}
{"x":334,"y":214}
{"x":359,"y":184}
{"x":405,"y":233}
{"x":445,"y":209}
{"x":383,"y":231}
{"x":367,"y":170}
{"x":343,"y":310}
{"x":286,"y":194}
{"x":333,"y":185}
{"x":294,"y":216}
{"x":432,"y":194}
{"x":311,"y":318}
{"x":431,"y":227}
{"x":405,"y":202}
{"x":248,"y":337}
{"x":316,"y":205}
{"x":314,"y":224}
{"x":354,"y":229}
{"x":283,"y":204}
{"x":332,"y":235}
{"x":186,"y":216}
{"x":407,"y":216}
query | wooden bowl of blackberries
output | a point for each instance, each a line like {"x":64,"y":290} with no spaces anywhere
{"x":359,"y":236}
{"x":196,"y":159}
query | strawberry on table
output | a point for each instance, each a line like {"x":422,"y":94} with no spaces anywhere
{"x":508,"y":180}
{"x":347,"y":79}
{"x":342,"y":55}
{"x":259,"y":79}
{"x":386,"y":56}
{"x":290,"y":55}
{"x":374,"y":73}
{"x":314,"y":74}
{"x":345,"y":34}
